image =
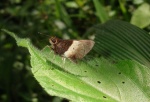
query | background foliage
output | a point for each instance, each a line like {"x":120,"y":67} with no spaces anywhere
{"x":63,"y":18}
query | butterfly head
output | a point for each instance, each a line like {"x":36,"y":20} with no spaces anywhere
{"x":53,"y":40}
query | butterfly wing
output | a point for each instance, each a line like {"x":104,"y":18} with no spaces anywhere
{"x":79,"y":49}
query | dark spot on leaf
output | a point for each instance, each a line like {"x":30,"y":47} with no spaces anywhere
{"x":98,"y":82}
{"x":104,"y":96}
{"x":119,"y":73}
{"x":85,"y":71}
{"x":114,"y":62}
{"x":52,"y":85}
{"x":123,"y":82}
{"x":96,"y":65}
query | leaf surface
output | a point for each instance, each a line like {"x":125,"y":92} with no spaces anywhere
{"x":94,"y":80}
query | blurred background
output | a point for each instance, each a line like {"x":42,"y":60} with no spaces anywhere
{"x":40,"y":19}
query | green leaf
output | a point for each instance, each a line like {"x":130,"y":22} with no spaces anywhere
{"x":138,"y":1}
{"x":81,"y":3}
{"x":71,"y":4}
{"x":120,"y":40}
{"x":95,"y":80}
{"x":141,"y":16}
{"x":62,"y":13}
{"x":100,"y":11}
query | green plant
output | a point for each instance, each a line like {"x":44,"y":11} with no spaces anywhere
{"x":141,"y":16}
{"x":123,"y":76}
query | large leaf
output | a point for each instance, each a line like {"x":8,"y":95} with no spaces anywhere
{"x":95,"y":80}
{"x":120,"y":40}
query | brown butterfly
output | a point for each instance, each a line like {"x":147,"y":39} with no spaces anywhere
{"x":71,"y":49}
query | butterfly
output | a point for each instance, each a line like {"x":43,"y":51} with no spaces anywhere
{"x":71,"y":49}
